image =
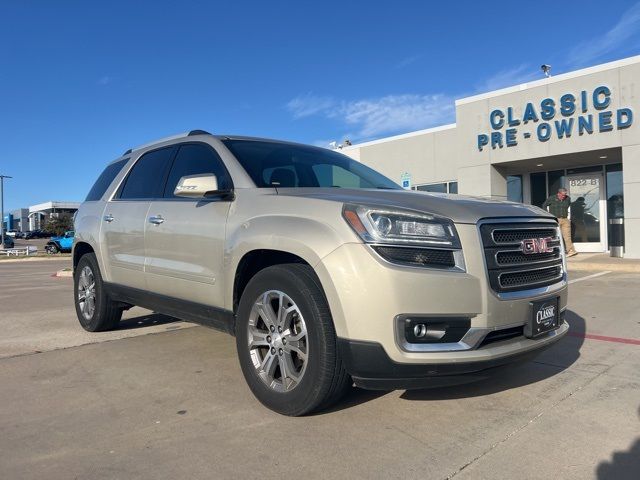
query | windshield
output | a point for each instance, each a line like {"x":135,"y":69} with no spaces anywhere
{"x":273,"y":164}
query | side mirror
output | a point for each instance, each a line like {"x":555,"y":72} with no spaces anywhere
{"x":197,"y":186}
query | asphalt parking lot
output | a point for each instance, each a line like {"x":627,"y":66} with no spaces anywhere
{"x":162,"y":399}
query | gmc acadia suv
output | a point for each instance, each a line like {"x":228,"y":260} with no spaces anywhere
{"x":326,"y":272}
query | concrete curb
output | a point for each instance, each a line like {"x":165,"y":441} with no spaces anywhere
{"x":613,"y":267}
{"x":65,"y":272}
{"x":34,"y":258}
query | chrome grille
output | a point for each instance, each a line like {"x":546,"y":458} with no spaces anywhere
{"x":502,"y":236}
{"x":517,"y":257}
{"x":528,"y":277}
{"x":509,"y":267}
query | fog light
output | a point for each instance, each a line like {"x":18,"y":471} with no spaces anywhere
{"x":427,"y":329}
{"x":420,"y":330}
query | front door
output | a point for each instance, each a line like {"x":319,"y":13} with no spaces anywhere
{"x":184,"y":238}
{"x":588,"y":212}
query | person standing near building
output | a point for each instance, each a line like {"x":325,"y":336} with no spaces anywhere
{"x":558,"y":205}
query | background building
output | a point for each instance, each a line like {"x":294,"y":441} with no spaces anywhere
{"x":17,"y":220}
{"x":577,"y":130}
{"x":40,"y":213}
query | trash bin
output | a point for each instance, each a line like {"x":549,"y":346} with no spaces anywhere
{"x":616,"y":244}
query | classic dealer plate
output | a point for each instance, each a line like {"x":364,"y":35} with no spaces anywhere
{"x":544,"y":317}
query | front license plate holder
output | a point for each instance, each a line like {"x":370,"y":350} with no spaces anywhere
{"x":543,"y":317}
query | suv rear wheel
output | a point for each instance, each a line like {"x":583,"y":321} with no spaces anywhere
{"x":286,"y":341}
{"x":96,"y":312}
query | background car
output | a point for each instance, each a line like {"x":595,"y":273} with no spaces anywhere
{"x":60,"y":244}
{"x":8,"y":242}
{"x":35,"y":234}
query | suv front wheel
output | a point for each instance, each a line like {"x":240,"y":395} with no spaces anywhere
{"x":287,"y":343}
{"x":96,"y":311}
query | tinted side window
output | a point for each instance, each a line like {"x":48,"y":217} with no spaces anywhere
{"x":285,"y":164}
{"x":104,"y":180}
{"x":337,"y":176}
{"x":146,"y":178}
{"x":196,"y":159}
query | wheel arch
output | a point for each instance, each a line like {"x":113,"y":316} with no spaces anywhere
{"x":255,"y":261}
{"x":80,"y":249}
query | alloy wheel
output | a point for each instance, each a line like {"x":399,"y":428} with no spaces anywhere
{"x":87,"y":293}
{"x":277,"y":339}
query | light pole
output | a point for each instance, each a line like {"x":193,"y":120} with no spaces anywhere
{"x":2,"y":177}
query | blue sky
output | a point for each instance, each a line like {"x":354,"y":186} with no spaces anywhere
{"x":81,"y":82}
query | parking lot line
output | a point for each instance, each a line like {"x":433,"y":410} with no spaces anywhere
{"x":604,"y":338}
{"x":588,"y":277}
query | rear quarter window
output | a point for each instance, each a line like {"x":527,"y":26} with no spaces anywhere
{"x":104,"y":180}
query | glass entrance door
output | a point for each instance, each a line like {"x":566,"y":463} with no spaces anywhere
{"x":588,"y":212}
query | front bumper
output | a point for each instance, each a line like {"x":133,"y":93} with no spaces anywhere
{"x":366,"y":295}
{"x":371,"y":368}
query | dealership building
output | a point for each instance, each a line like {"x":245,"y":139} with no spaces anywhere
{"x":579,"y":130}
{"x":35,"y":217}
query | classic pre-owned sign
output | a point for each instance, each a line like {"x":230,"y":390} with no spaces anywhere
{"x":583,"y":114}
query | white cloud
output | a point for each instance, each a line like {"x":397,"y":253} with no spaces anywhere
{"x":376,"y":116}
{"x":394,"y":113}
{"x":624,"y":34}
{"x":310,"y":104}
{"x":508,"y":77}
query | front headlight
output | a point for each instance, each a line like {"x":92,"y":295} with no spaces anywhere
{"x":398,"y":227}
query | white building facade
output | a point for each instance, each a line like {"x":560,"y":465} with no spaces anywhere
{"x":40,"y":213}
{"x":576,"y":130}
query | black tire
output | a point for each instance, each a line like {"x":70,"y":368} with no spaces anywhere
{"x":52,"y":249}
{"x":106,"y":313}
{"x":325,"y":379}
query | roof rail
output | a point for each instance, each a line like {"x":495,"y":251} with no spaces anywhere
{"x":173,"y":137}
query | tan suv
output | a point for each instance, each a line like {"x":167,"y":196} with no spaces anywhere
{"x":327,"y":273}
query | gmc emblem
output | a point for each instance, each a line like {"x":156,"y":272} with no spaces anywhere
{"x":536,"y":245}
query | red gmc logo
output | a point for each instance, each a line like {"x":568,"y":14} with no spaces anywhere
{"x":536,"y":245}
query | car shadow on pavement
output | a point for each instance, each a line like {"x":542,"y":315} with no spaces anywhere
{"x":623,"y":465}
{"x":549,"y":363}
{"x":147,"y":320}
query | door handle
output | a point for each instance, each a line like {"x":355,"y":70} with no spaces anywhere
{"x":108,"y":218}
{"x":156,"y":219}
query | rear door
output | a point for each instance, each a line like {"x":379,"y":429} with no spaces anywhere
{"x":125,"y":217}
{"x":184,"y":238}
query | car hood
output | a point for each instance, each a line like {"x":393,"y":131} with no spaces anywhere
{"x":459,"y":208}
